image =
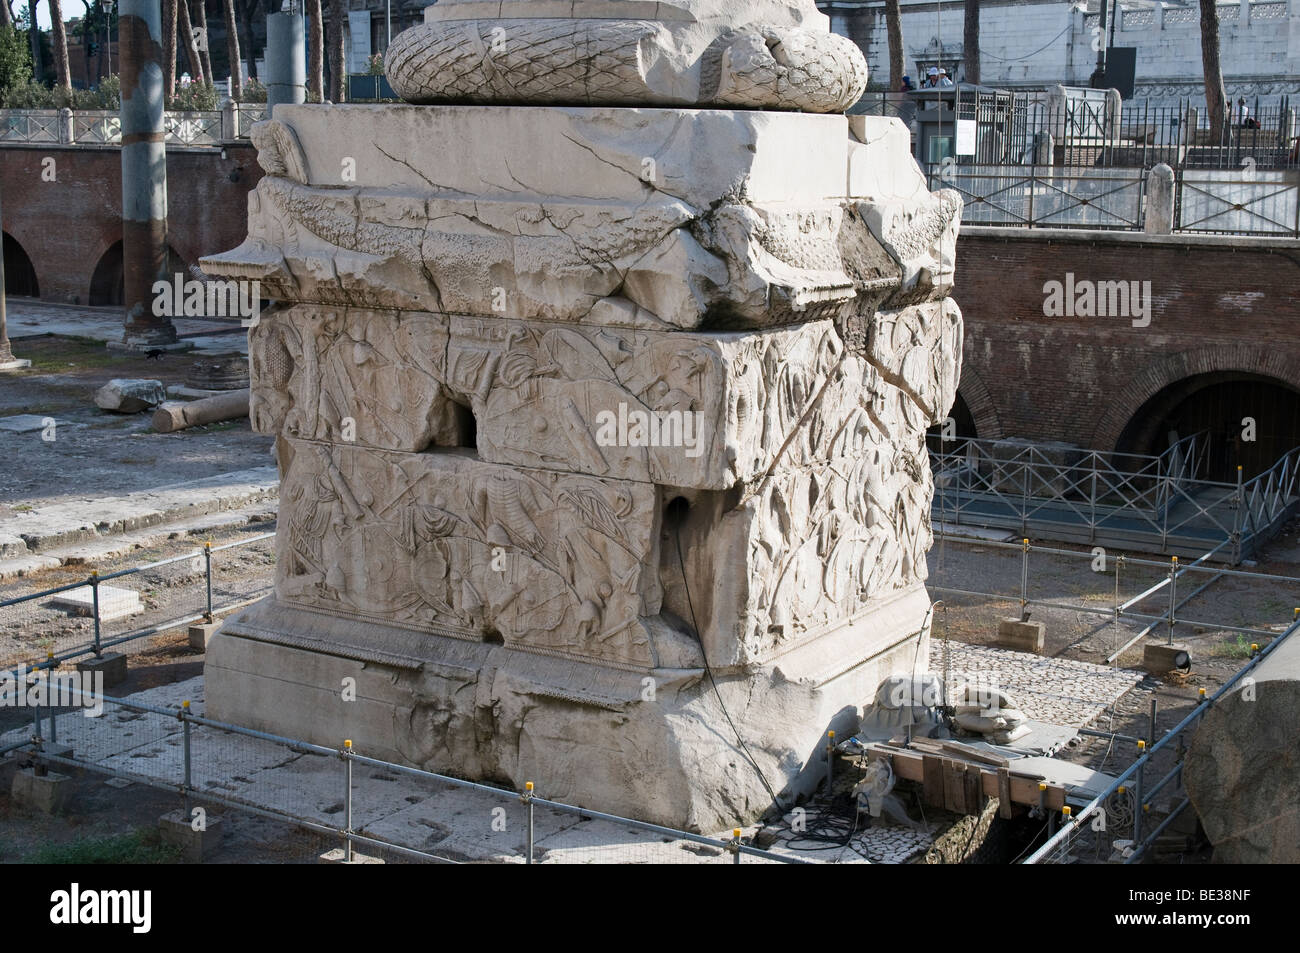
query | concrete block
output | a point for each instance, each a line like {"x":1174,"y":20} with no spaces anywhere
{"x":112,"y":665}
{"x":1158,"y":658}
{"x":335,"y":856}
{"x":1022,"y":636}
{"x":201,"y":635}
{"x":177,"y":827}
{"x":22,"y":423}
{"x":56,"y":750}
{"x":114,"y":603}
{"x":47,"y":793}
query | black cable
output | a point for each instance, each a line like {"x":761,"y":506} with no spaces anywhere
{"x":713,"y":681}
{"x":833,"y":829}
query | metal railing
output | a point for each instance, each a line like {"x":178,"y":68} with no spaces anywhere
{"x":1157,"y":503}
{"x":1132,"y":786}
{"x":185,"y":750}
{"x":1258,"y":134}
{"x":29,"y":125}
{"x":1247,"y":201}
{"x":108,"y":615}
{"x":98,"y":126}
{"x":1120,"y":575}
{"x":193,"y":128}
{"x":104,"y":127}
{"x":1045,"y":196}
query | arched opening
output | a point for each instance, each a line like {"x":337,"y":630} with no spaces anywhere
{"x":1247,"y":419}
{"x":20,"y":274}
{"x":950,"y":435}
{"x":106,"y":283}
{"x":106,"y":286}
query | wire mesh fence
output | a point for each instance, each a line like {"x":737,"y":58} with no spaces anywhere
{"x":97,"y":612}
{"x":1129,"y":599}
{"x":1154,"y":503}
{"x":1125,"y":820}
{"x":373,"y":807}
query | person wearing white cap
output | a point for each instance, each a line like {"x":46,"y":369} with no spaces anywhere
{"x":932,"y":77}
{"x":944,"y":81}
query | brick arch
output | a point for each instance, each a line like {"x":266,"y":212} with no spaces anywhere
{"x":104,"y":279}
{"x":1280,"y":365}
{"x":980,"y":404}
{"x":21,"y":277}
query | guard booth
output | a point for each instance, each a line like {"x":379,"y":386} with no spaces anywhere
{"x":981,"y":125}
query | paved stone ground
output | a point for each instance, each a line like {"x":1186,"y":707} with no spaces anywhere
{"x":1056,"y":690}
{"x":27,"y":316}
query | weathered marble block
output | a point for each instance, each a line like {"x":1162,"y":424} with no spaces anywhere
{"x":641,"y":218}
{"x":693,"y":410}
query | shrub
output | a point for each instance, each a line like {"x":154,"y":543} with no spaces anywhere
{"x":253,"y":92}
{"x":194,"y":97}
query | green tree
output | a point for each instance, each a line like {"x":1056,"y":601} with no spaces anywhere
{"x":15,"y":60}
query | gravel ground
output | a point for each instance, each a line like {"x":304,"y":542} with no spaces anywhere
{"x":30,"y":629}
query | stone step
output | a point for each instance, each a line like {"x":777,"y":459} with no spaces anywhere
{"x":89,"y":530}
{"x":96,"y":551}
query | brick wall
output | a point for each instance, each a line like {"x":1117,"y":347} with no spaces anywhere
{"x":1217,"y":305}
{"x":67,"y":225}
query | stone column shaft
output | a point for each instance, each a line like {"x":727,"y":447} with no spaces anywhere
{"x":286,"y":66}
{"x":144,"y":171}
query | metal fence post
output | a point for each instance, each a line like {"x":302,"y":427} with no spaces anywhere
{"x":1237,"y":508}
{"x":1119,"y":561}
{"x":527,"y":798}
{"x":1024,"y":501}
{"x":185,"y":726}
{"x":1033,"y":187}
{"x":49,"y":698}
{"x":207,"y":571}
{"x":94,"y":598}
{"x":36,"y":730}
{"x":1024,"y":576}
{"x":830,"y":761}
{"x":1173,"y":597}
{"x":345,"y":754}
{"x":735,"y":845}
{"x":1137,"y":793}
{"x":1092,"y":503}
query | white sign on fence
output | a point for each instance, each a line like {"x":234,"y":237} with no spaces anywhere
{"x":965,"y":137}
{"x":359,"y":48}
